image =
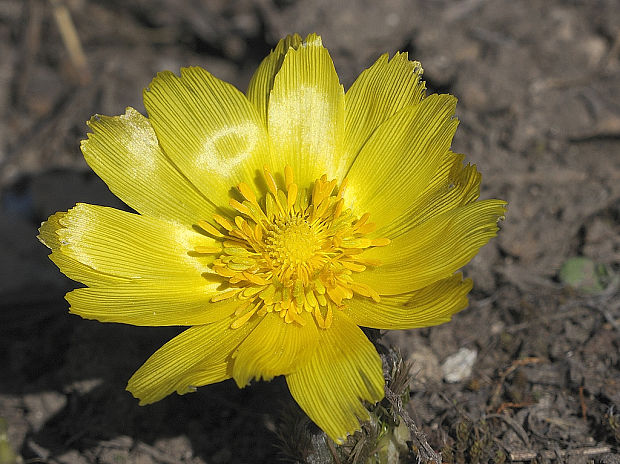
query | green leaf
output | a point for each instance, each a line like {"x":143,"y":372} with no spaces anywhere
{"x":584,"y":274}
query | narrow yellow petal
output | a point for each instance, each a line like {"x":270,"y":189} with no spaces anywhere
{"x":431,"y":305}
{"x":152,"y":302}
{"x":198,"y":356}
{"x":306,"y":113}
{"x":72,"y":268}
{"x":376,"y":95}
{"x":274,"y":348}
{"x":433,"y":250}
{"x":401,"y":157}
{"x":344,"y":371}
{"x":130,"y":245}
{"x":209,"y":129}
{"x":452,"y":186}
{"x":262,"y":80}
{"x":125,"y":153}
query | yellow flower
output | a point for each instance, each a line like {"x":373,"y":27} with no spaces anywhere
{"x":277,"y":223}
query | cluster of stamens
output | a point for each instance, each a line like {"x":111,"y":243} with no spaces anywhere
{"x":297,"y":252}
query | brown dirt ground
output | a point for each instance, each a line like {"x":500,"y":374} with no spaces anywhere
{"x":538,"y":83}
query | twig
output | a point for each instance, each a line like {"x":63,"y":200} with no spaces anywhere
{"x":515,"y":426}
{"x":511,"y":405}
{"x":425,"y":450}
{"x":71,"y":40}
{"x":333,"y":452}
{"x":582,"y":400}
{"x":528,"y":455}
{"x":502,"y":377}
{"x":37,"y":449}
{"x":30,"y":47}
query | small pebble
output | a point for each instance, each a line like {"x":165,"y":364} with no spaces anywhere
{"x":457,"y":367}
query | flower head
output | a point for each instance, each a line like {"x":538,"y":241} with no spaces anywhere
{"x":275,"y":224}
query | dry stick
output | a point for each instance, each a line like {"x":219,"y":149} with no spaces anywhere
{"x":582,"y":400}
{"x":425,"y":450}
{"x":333,"y":451}
{"x":527,"y":455}
{"x":509,"y":405}
{"x":29,"y":49}
{"x":521,"y":433}
{"x":71,"y":40}
{"x":502,"y":378}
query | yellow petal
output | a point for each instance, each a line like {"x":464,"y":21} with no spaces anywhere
{"x":400,"y":158}
{"x":69,"y":266}
{"x":344,"y":371}
{"x":262,"y":80}
{"x":209,"y":129}
{"x":48,"y":231}
{"x":274,"y":348}
{"x":433,"y":250}
{"x":129,"y":245}
{"x":431,"y":305}
{"x":152,"y":302}
{"x":124,"y":152}
{"x":306,"y":113}
{"x":376,"y":95}
{"x":453,"y":185}
{"x":198,"y":356}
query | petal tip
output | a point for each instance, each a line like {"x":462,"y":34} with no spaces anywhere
{"x":48,"y":231}
{"x":313,"y":39}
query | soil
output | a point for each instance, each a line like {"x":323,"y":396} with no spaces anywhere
{"x":539,"y":102}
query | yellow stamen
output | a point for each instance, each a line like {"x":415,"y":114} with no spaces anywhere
{"x":295,"y":252}
{"x":291,"y":195}
{"x":240,"y":207}
{"x":226,"y":294}
{"x":365,"y":290}
{"x":255,"y":279}
{"x":328,"y":317}
{"x":342,"y":189}
{"x":353,"y":266}
{"x":247,"y":192}
{"x":288,"y":176}
{"x":207,"y":249}
{"x":223,"y":222}
{"x":271,"y":183}
{"x":208,"y":228}
{"x":245,"y":318}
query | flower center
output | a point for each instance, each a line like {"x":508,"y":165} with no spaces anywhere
{"x":297,"y":251}
{"x":291,"y":242}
